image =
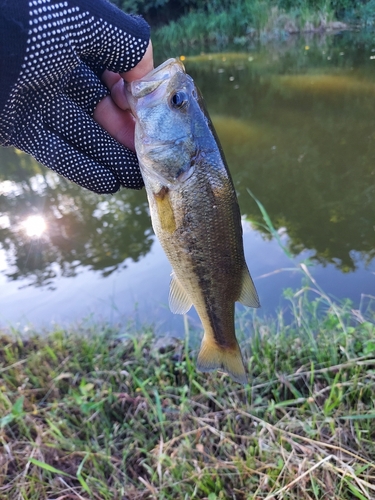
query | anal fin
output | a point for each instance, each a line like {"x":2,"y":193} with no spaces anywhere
{"x":248,"y":296}
{"x":179,"y":301}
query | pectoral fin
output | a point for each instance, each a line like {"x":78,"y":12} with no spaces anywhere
{"x":179,"y":302}
{"x":248,"y":296}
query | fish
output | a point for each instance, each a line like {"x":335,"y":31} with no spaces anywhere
{"x":194,"y":210}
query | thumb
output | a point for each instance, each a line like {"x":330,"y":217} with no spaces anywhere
{"x":113,"y":112}
{"x":119,"y":123}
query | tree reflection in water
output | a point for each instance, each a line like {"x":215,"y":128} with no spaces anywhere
{"x":298,"y":129}
{"x":84,"y":230}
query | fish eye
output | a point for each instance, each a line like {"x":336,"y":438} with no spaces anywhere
{"x":179,"y":99}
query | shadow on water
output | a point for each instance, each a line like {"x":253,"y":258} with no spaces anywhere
{"x":297,"y":124}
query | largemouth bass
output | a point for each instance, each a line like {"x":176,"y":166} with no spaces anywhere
{"x":194,"y":209}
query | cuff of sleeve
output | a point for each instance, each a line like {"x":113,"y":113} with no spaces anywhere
{"x":13,"y":39}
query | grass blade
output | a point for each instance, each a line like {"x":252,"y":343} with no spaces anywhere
{"x":47,"y":467}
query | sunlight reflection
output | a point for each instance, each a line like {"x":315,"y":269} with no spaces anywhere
{"x":34,"y":226}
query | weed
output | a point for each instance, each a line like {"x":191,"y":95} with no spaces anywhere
{"x":94,"y":416}
{"x":219,"y":22}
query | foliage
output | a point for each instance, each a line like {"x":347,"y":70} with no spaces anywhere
{"x":185,"y":6}
{"x":311,"y":4}
{"x":139,"y":6}
{"x":221,"y":22}
{"x":93,"y":415}
{"x":183,"y":20}
{"x":365,"y":12}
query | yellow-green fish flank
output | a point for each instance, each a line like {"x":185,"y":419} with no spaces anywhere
{"x":194,"y":210}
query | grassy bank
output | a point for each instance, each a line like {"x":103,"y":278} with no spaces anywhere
{"x":243,"y":21}
{"x":84,"y":414}
{"x":181,"y":23}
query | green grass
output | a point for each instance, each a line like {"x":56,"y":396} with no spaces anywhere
{"x":243,"y":21}
{"x":91,"y":413}
{"x":85,"y":414}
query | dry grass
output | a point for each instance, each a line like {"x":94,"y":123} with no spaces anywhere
{"x":85,"y":415}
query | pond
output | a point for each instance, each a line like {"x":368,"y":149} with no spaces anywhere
{"x":297,"y":124}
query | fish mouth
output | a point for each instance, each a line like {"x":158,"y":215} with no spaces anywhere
{"x":173,"y":65}
{"x":161,"y":178}
{"x":150,"y":82}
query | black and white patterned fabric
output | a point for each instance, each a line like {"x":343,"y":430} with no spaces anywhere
{"x":51,"y":56}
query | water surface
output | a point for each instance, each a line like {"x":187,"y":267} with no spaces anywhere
{"x":297,"y":124}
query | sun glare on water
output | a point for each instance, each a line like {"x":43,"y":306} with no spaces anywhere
{"x":34,"y":226}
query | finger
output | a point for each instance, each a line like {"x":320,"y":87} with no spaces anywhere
{"x":118,"y":94}
{"x":56,"y":154}
{"x":108,"y":36}
{"x":65,"y":119}
{"x":115,"y":84}
{"x":117,"y":88}
{"x":109,"y":78}
{"x":84,"y":88}
{"x":119,"y":123}
{"x":88,"y":92}
{"x":145,"y":65}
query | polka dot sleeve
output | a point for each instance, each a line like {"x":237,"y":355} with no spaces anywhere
{"x":50,"y":55}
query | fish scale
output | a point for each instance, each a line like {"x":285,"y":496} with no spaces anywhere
{"x":194,"y":209}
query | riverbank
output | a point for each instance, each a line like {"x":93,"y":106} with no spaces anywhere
{"x":185,"y":23}
{"x":84,"y":414}
{"x":244,"y":22}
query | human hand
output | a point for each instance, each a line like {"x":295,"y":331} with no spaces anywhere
{"x":48,"y":110}
{"x":113,"y":112}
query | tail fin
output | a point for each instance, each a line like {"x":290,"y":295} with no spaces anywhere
{"x":211,"y":357}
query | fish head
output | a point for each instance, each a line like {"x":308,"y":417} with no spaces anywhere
{"x":169,"y":121}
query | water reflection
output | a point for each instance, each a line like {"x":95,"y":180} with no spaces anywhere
{"x":300,"y":135}
{"x":297,"y":126}
{"x":81,"y":229}
{"x":34,"y":226}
